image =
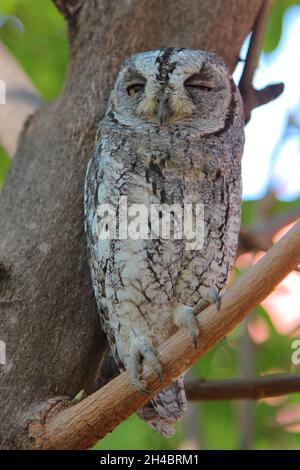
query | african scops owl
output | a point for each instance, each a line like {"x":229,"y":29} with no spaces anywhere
{"x":172,"y":136}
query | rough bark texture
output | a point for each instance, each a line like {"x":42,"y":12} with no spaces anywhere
{"x":48,"y":315}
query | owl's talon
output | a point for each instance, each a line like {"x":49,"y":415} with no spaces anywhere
{"x":185,"y":316}
{"x":141,"y":349}
{"x":195,"y":339}
{"x":138,"y":384}
{"x":159,"y":374}
{"x":212,"y":297}
{"x":135,"y":378}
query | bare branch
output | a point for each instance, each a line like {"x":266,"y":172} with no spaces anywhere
{"x":261,"y":236}
{"x":21,"y":100}
{"x":253,"y":98}
{"x":80,"y":426}
{"x":256,"y":43}
{"x":243,"y":389}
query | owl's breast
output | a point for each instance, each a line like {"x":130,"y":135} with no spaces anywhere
{"x":159,"y":166}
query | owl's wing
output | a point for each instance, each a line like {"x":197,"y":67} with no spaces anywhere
{"x":98,"y":256}
{"x":209,"y":267}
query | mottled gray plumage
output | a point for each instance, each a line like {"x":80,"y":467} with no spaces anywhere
{"x":172,"y":134}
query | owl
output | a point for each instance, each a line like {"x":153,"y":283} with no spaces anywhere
{"x":172,"y":137}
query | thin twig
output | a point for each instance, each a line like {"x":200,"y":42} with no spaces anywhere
{"x":253,"y":98}
{"x":243,"y":389}
{"x":255,"y":45}
{"x":261,"y":236}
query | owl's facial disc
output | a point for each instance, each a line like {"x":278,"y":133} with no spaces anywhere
{"x":156,"y":101}
{"x":180,"y":97}
{"x":173,"y":86}
{"x":164,"y":104}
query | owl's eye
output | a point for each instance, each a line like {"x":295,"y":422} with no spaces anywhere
{"x":135,"y":88}
{"x":198,"y":86}
{"x":196,"y":82}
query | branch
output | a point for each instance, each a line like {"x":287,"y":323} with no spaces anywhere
{"x":253,"y":98}
{"x":243,"y":389}
{"x":21,"y":100}
{"x":261,"y":237}
{"x":80,"y":426}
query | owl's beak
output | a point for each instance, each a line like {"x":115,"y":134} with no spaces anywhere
{"x":163,"y":110}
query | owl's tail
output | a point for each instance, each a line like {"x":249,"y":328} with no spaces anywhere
{"x":165,"y":409}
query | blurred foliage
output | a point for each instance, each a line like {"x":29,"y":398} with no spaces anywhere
{"x":4,"y":166}
{"x":134,"y":434}
{"x":4,"y":19}
{"x":42,"y":48}
{"x":42,"y":51}
{"x":275,"y":23}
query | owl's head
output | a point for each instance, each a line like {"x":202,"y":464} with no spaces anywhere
{"x":173,"y":85}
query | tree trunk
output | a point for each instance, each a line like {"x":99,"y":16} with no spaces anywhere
{"x":48,"y":316}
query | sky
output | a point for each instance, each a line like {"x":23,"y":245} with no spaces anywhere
{"x":268,"y":150}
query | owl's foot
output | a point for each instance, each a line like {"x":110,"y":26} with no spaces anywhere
{"x":212,"y":297}
{"x":142,"y":350}
{"x":185,"y":316}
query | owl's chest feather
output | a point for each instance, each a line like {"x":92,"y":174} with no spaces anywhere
{"x":167,"y":168}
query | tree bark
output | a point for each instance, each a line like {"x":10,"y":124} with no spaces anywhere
{"x":48,"y":314}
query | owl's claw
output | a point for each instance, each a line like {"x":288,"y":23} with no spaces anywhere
{"x":142,"y":349}
{"x":212,"y":297}
{"x":185,"y":316}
